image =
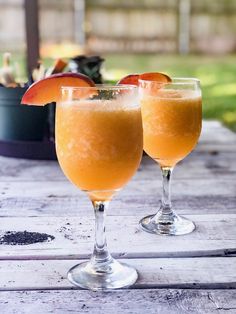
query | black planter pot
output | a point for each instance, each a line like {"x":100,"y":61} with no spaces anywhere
{"x":18,"y":122}
{"x":25,"y":131}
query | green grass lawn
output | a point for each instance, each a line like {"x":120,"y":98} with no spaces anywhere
{"x":216,"y":73}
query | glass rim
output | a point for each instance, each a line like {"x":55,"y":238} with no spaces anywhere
{"x":175,"y":81}
{"x":101,"y":87}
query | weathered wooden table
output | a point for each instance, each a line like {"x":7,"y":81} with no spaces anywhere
{"x":195,"y":273}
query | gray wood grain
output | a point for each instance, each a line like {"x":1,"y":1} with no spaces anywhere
{"x":214,"y":132}
{"x":205,"y":182}
{"x":210,"y":195}
{"x":183,"y":187}
{"x":215,"y":235}
{"x":217,"y":146}
{"x":202,"y":162}
{"x":134,"y":301}
{"x":122,"y":205}
{"x":198,"y":272}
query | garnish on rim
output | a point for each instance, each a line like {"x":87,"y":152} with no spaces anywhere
{"x":133,"y":79}
{"x":155,"y":76}
{"x":48,"y":90}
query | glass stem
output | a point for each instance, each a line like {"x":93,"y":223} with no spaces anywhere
{"x":101,"y":254}
{"x":166,"y":207}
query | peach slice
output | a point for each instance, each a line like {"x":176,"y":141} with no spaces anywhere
{"x":131,"y":79}
{"x":155,"y":76}
{"x":47,"y":90}
{"x":150,"y":83}
{"x":134,"y":79}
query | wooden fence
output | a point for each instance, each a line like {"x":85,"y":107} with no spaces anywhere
{"x":126,"y":25}
{"x":162,"y":25}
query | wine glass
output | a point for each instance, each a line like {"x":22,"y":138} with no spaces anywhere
{"x":99,"y":144}
{"x":172,"y":119}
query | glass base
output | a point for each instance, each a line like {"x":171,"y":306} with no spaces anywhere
{"x":112,"y":275}
{"x":160,"y":224}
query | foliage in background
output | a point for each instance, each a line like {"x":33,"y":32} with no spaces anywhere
{"x":217,"y":75}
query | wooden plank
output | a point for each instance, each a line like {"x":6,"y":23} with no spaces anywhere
{"x":183,"y":187}
{"x":13,"y":169}
{"x":204,"y":182}
{"x":133,"y":301}
{"x":215,"y":236}
{"x":35,"y":197}
{"x":214,"y":155}
{"x":215,"y":132}
{"x":204,"y":272}
{"x":207,"y":164}
{"x":217,"y":147}
{"x":125,"y":205}
{"x":210,"y":164}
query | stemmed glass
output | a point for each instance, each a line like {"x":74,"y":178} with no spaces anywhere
{"x":99,"y":143}
{"x":172,"y":116}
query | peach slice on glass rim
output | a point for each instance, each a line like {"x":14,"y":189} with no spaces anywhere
{"x":155,"y":76}
{"x":48,"y":89}
{"x":134,"y":79}
{"x":151,"y":83}
{"x":131,"y":79}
